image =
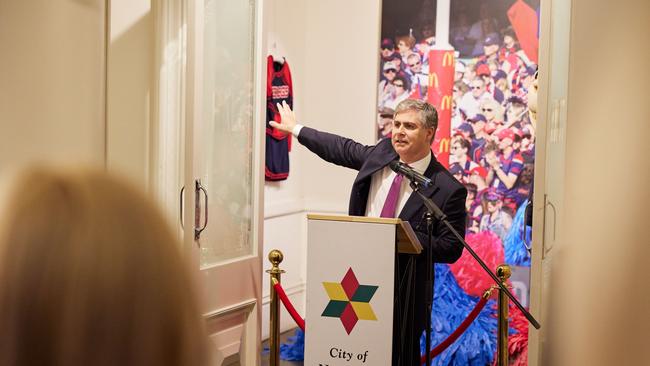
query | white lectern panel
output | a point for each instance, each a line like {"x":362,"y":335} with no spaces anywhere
{"x":350,"y":282}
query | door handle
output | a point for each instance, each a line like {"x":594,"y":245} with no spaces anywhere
{"x":181,"y":207}
{"x":524,"y":237}
{"x":197,"y":217}
{"x":548,"y":203}
{"x":197,"y":209}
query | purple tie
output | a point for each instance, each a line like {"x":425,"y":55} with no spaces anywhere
{"x":391,"y":200}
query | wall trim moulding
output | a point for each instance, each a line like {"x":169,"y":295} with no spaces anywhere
{"x":283,"y":208}
{"x":319,"y":205}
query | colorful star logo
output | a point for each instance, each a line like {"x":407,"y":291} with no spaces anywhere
{"x":349,"y":301}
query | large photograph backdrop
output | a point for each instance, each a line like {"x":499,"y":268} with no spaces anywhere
{"x":488,"y":144}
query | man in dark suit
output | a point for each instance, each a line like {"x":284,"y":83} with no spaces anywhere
{"x":377,"y":191}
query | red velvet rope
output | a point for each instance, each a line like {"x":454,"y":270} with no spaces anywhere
{"x":460,"y":330}
{"x":434,"y":352}
{"x":289,"y":306}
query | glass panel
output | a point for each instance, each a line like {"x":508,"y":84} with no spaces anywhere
{"x":225,"y":137}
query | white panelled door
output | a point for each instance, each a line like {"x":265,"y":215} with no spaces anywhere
{"x":223,"y":166}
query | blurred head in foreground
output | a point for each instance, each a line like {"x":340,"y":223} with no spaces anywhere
{"x":90,"y":274}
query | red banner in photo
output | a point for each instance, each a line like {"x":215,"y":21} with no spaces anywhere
{"x":525,"y":24}
{"x":440,"y":89}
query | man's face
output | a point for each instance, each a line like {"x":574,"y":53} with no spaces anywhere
{"x":469,"y":74}
{"x":478,"y":126}
{"x":457,"y":150}
{"x":390,"y":74}
{"x":502,"y":84}
{"x":402,"y":47}
{"x":398,"y":62}
{"x":400,"y":88}
{"x":505,"y":143}
{"x":514,"y":112}
{"x":423,"y":48}
{"x":475,"y":178}
{"x":415,"y":65}
{"x":477,"y":88}
{"x":457,"y":93}
{"x":411,"y":139}
{"x":488,"y":111}
{"x":490,"y":155}
{"x":493,"y":205}
{"x":508,"y":41}
{"x":387,"y":51}
{"x":491,"y":49}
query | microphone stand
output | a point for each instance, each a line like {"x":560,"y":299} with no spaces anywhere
{"x":429,"y":280}
{"x":435,"y":211}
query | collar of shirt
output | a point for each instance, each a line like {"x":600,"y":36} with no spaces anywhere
{"x":380,"y":185}
{"x":421,"y":165}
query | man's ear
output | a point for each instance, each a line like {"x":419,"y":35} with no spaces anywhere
{"x":433,"y":134}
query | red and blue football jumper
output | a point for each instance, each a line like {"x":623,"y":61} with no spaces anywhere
{"x":278,"y":144}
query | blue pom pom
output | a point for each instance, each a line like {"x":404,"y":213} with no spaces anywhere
{"x":451,"y":305}
{"x":294,"y":350}
{"x":514,"y":249}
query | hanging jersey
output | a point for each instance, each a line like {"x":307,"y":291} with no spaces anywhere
{"x":278,"y":89}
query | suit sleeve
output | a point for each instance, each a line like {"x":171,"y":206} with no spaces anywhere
{"x":446,"y":247}
{"x":335,"y":149}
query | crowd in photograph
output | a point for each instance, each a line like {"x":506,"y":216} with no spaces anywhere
{"x":492,"y":144}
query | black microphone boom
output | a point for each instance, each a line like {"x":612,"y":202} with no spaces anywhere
{"x":405,"y":170}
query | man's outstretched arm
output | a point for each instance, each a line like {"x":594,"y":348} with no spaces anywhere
{"x":332,"y":148}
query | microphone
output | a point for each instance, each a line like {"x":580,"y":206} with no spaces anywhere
{"x":405,"y":170}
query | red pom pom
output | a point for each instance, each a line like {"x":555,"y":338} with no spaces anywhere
{"x":518,"y":342}
{"x":468,"y":273}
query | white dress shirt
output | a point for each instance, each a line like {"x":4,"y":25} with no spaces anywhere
{"x":296,"y":130}
{"x":380,"y":184}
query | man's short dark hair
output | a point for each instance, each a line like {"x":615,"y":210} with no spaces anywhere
{"x":427,"y":112}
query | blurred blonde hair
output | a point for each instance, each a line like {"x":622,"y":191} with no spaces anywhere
{"x":91,"y":274}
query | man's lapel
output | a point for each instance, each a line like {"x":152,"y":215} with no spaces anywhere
{"x":374,"y":165}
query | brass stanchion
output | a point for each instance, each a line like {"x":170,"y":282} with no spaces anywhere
{"x":275,"y":257}
{"x":503,"y":272}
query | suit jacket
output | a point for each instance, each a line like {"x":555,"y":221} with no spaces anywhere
{"x":446,"y":192}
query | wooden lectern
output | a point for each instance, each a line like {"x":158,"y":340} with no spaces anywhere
{"x":351,"y":263}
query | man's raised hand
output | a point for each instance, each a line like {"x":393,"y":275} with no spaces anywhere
{"x":287,"y":117}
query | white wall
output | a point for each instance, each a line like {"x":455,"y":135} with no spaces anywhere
{"x":129,"y":81}
{"x":331,"y":48}
{"x":52,"y":75}
{"x":600,"y":311}
{"x":74,"y":88}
